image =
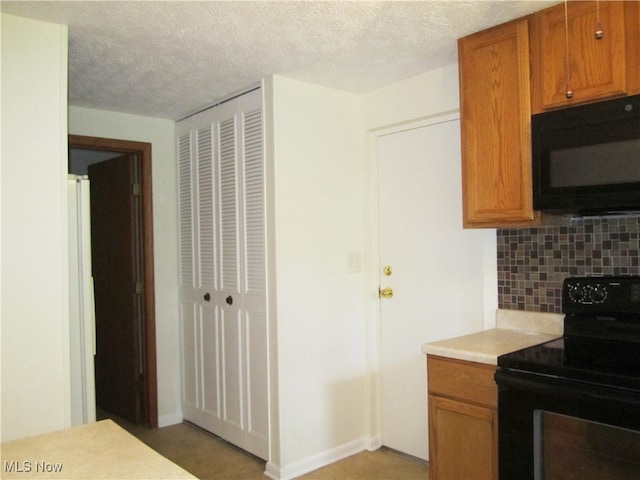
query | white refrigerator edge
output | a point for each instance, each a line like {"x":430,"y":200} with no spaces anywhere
{"x":81,"y":297}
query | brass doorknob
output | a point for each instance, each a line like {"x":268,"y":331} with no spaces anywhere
{"x":386,"y":292}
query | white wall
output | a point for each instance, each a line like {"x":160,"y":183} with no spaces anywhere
{"x":161,"y":134}
{"x":316,"y":197}
{"x":431,"y":93}
{"x":35,"y":282}
{"x":322,"y":188}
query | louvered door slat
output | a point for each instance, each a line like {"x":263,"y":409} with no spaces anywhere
{"x":185,"y":212}
{"x":206,"y":219}
{"x":228,"y":204}
{"x":254,"y":268}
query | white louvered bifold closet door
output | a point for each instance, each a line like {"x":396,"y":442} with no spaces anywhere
{"x":222,"y":272}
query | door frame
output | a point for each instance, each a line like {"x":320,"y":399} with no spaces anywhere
{"x":372,"y":269}
{"x":143,"y":150}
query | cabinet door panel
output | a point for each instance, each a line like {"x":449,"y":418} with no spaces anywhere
{"x":462,"y":440}
{"x":210,"y":347}
{"x":495,"y":122}
{"x":232,"y":371}
{"x":257,"y":385}
{"x":190,"y":365}
{"x":568,"y":56}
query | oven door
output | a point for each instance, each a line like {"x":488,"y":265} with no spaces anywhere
{"x":551,"y":428}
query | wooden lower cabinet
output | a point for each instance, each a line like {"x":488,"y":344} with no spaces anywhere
{"x":463,"y":420}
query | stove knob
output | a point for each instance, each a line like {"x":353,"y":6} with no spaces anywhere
{"x":576,"y":293}
{"x":598,"y":294}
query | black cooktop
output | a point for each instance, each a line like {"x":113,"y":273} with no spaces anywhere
{"x":615,"y":364}
{"x":601,"y":342}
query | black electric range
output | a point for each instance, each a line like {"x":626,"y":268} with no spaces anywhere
{"x":601,"y":341}
{"x":588,"y":381}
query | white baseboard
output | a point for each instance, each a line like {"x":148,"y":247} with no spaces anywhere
{"x":166,"y":420}
{"x":373,"y":443}
{"x":272,"y":471}
{"x":321,"y":459}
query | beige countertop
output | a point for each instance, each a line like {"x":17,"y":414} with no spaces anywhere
{"x":486,"y":346}
{"x":96,"y":450}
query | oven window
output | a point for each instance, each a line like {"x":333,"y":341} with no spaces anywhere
{"x":573,"y":448}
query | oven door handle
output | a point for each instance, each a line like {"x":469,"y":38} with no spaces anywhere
{"x":561,"y":388}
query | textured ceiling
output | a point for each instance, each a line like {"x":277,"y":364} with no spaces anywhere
{"x":169,"y":58}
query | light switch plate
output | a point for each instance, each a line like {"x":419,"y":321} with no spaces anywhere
{"x":354,"y":262}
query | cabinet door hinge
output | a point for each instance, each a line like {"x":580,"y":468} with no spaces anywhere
{"x":135,"y":189}
{"x":138,"y":288}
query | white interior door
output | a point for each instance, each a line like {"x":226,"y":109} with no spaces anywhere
{"x":436,"y":270}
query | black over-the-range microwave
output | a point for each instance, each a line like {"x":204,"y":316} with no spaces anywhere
{"x":586,"y":159}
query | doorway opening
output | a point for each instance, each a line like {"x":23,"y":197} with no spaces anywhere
{"x":135,"y":157}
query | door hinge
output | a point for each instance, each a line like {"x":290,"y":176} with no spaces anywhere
{"x":135,"y":189}
{"x":138,"y":288}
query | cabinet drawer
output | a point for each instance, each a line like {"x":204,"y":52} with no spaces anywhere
{"x":462,"y":380}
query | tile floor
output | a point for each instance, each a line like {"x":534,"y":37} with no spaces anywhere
{"x":208,"y":457}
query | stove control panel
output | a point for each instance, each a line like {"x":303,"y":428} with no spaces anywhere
{"x":601,"y":294}
{"x":588,"y":294}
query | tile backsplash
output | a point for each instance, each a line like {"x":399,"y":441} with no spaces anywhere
{"x":533,"y":262}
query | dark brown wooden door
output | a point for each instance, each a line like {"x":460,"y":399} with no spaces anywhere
{"x":116,"y":270}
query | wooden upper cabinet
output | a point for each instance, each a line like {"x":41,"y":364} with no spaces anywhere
{"x":514,"y":70}
{"x":496,"y":126}
{"x":564,"y":46}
